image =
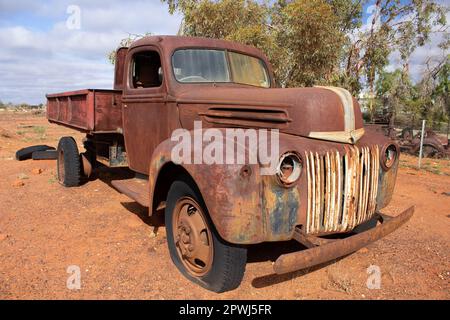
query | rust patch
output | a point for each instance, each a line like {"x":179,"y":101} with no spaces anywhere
{"x":386,"y":186}
{"x":280,"y":207}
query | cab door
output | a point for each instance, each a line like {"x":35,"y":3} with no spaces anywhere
{"x":148,"y":118}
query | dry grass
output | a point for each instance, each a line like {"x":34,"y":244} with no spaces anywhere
{"x":32,"y":133}
{"x":435,"y":166}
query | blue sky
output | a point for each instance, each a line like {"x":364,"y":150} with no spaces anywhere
{"x":40,"y":54}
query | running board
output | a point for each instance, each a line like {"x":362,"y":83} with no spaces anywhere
{"x":137,"y":189}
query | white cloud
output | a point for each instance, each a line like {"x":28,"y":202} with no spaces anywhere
{"x":36,"y":60}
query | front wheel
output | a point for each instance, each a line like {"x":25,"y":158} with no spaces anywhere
{"x":195,"y":247}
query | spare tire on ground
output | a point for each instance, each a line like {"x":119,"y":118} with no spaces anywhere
{"x":27,"y":153}
{"x":45,"y":155}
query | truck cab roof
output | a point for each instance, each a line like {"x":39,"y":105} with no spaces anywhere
{"x":172,"y":43}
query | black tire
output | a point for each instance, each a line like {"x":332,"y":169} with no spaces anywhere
{"x":45,"y":155}
{"x":229,"y":261}
{"x":68,"y":163}
{"x":27,"y":153}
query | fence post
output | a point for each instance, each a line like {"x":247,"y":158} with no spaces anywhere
{"x":421,"y":143}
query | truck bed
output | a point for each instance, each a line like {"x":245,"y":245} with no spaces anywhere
{"x":89,"y":110}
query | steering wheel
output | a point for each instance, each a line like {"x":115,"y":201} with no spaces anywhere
{"x":193,"y":79}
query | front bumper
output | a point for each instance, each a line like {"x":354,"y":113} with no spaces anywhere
{"x":326,"y":250}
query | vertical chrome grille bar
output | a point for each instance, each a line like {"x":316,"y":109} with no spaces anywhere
{"x":339,"y":191}
{"x":310,"y":194}
{"x":318,"y":193}
{"x":342,"y":189}
{"x":332,"y":192}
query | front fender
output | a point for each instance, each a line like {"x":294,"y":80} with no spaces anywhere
{"x":231,"y":193}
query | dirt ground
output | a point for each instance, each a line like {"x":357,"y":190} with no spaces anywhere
{"x":45,"y":228}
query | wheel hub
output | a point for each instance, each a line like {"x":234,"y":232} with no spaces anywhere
{"x":192,"y":236}
{"x":184,"y":241}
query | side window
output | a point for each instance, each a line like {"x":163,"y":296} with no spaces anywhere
{"x":146,"y":70}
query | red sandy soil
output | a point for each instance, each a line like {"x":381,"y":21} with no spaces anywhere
{"x":44,"y":228}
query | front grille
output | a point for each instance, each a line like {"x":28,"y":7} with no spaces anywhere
{"x":342,"y":189}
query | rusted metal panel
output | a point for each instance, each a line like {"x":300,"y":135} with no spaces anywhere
{"x":135,"y":188}
{"x":386,"y":186}
{"x":297,"y":111}
{"x":280,"y":209}
{"x":147,"y":123}
{"x":335,"y":249}
{"x":108,"y":111}
{"x":233,"y":200}
{"x":119,"y":68}
{"x":74,"y":109}
{"x":149,"y":115}
{"x":86,"y":110}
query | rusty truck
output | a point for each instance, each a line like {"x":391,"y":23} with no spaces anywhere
{"x":333,"y":176}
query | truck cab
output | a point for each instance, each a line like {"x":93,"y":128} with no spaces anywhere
{"x":330,"y":176}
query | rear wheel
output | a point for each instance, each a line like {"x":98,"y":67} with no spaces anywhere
{"x":195,"y":246}
{"x":68,"y":163}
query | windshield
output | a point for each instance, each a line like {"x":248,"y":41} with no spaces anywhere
{"x":210,"y":66}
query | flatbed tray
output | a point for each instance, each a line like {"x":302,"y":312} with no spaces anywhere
{"x":88,"y":110}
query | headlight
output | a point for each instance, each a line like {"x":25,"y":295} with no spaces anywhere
{"x":389,"y":156}
{"x":289,"y":169}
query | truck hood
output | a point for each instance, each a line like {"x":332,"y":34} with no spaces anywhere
{"x":326,"y":113}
